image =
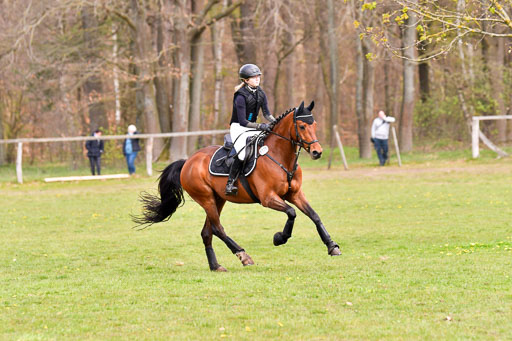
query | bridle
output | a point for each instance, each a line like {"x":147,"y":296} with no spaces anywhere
{"x":300,"y":143}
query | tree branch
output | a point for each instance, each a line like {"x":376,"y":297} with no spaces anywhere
{"x":199,"y":29}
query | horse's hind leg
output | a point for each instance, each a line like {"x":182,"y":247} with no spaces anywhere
{"x":207,"y":234}
{"x":213,"y":211}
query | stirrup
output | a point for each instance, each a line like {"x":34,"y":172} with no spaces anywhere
{"x":231,"y":189}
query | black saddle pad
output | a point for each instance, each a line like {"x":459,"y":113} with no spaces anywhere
{"x":220,"y":163}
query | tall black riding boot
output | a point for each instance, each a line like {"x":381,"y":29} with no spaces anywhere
{"x":231,"y":189}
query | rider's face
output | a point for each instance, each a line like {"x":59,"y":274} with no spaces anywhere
{"x":254,"y":81}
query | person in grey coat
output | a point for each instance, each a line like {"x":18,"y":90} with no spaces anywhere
{"x":94,"y":150}
{"x":380,"y":135}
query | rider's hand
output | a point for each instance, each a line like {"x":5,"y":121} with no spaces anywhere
{"x":264,"y":127}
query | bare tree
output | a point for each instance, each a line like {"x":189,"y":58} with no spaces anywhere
{"x":161,"y":69}
{"x":3,"y":156}
{"x":219,"y":100}
{"x":333,"y":62}
{"x":497,"y":70}
{"x":408,"y":99}
{"x":243,"y":32}
{"x":145,"y":56}
{"x":365,"y":81}
{"x":93,"y":86}
{"x":190,"y":24}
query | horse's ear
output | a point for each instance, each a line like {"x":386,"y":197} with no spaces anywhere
{"x":300,"y":109}
{"x":311,"y":105}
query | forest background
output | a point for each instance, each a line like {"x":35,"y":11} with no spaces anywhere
{"x":68,"y":67}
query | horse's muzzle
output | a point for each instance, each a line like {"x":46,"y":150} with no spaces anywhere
{"x":315,"y":155}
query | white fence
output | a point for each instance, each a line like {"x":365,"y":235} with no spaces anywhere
{"x":475,"y":131}
{"x":149,"y":144}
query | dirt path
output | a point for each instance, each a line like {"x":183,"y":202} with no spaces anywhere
{"x":503,"y":166}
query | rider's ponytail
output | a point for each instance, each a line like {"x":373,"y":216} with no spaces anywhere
{"x":239,"y":86}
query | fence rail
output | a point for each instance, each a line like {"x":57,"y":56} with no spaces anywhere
{"x":149,"y":145}
{"x":476,"y":134}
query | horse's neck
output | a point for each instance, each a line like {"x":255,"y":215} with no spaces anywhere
{"x":283,"y":149}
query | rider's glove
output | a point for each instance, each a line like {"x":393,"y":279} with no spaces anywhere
{"x":264,"y":127}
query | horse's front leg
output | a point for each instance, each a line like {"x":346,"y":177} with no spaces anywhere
{"x":299,"y":200}
{"x":278,"y":204}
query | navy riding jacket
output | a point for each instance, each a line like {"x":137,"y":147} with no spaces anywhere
{"x":247,"y":104}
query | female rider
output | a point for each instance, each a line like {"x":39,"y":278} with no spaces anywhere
{"x":249,"y":98}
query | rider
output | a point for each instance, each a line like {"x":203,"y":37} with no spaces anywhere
{"x":249,"y":98}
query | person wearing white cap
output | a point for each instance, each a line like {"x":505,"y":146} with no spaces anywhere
{"x":130,"y":149}
{"x":380,"y":135}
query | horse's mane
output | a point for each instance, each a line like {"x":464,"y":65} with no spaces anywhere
{"x":280,"y":117}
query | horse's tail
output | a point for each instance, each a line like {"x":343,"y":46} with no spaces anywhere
{"x":157,"y":209}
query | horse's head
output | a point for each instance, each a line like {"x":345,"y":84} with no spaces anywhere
{"x":305,"y":130}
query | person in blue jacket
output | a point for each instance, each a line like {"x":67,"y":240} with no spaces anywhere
{"x":94,"y":150}
{"x":130,"y":149}
{"x":249,"y":98}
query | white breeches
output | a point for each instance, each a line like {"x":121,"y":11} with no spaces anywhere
{"x":239,"y":135}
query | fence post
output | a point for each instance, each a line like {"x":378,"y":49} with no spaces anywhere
{"x":19,"y":170}
{"x":340,"y":146}
{"x":395,"y":140}
{"x":331,"y":148}
{"x":475,"y":128}
{"x":149,"y":156}
{"x":336,"y":137}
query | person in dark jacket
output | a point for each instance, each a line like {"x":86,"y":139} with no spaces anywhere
{"x":130,"y":149}
{"x":94,"y":151}
{"x":249,"y":98}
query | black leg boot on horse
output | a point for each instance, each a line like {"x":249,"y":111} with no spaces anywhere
{"x":231,"y":189}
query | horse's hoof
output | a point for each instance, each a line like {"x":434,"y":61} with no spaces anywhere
{"x":220,"y":269}
{"x":280,"y":239}
{"x":335,"y":251}
{"x":245,"y":258}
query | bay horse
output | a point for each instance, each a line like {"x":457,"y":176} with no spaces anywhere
{"x":276,"y":179}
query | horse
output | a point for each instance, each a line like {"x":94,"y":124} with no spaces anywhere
{"x":277,"y":179}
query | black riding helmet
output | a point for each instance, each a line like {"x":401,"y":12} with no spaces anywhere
{"x":248,"y":71}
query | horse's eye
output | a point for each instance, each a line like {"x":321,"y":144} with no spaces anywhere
{"x":302,"y":127}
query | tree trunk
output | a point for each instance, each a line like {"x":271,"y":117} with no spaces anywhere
{"x":364,"y":98}
{"x":406,"y":117}
{"x":178,"y":148}
{"x":219,"y":102}
{"x":145,"y":77}
{"x":365,"y":79}
{"x":3,"y":154}
{"x":175,"y":79}
{"x":496,"y":77}
{"x":161,"y":84}
{"x":93,"y":86}
{"x":333,"y":63}
{"x":387,"y":75}
{"x":242,"y":32}
{"x":197,"y":71}
{"x":423,"y":71}
{"x":290,"y":82}
{"x":117,"y":92}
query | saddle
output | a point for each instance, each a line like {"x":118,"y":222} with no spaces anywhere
{"x":223,"y":158}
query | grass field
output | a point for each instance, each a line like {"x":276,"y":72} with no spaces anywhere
{"x":427,"y":254}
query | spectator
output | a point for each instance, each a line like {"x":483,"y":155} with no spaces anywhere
{"x":131,"y":148}
{"x":380,"y":135}
{"x":94,"y":151}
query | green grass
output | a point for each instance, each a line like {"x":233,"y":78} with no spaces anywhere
{"x":421,"y":243}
